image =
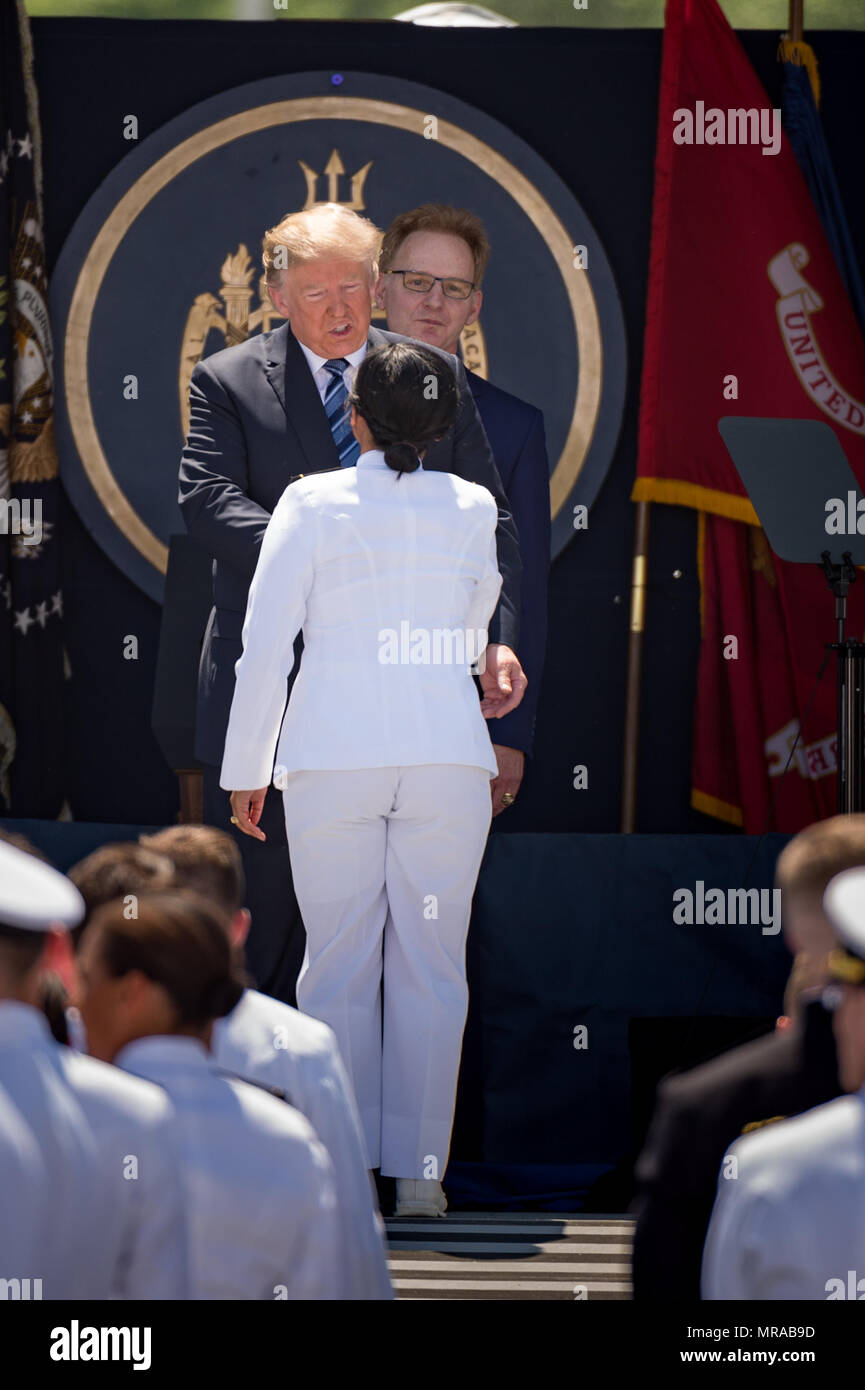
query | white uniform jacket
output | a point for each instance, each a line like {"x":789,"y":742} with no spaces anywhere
{"x":272,"y":1043}
{"x":90,"y":1195}
{"x":258,"y":1186}
{"x":392,"y":581}
{"x":791,"y":1224}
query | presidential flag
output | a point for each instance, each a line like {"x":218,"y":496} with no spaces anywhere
{"x":31,"y":601}
{"x":747,"y":314}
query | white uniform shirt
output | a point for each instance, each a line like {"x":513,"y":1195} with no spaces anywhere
{"x":90,"y":1196}
{"x":793,"y":1220}
{"x":272,"y":1043}
{"x":258,"y":1186}
{"x":378,"y":572}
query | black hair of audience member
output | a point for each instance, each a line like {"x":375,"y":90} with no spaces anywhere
{"x":54,"y":1003}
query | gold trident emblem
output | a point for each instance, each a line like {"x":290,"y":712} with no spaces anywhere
{"x":334,"y":168}
{"x":234,"y":318}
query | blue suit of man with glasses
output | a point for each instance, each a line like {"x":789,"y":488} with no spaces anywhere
{"x":432,"y":263}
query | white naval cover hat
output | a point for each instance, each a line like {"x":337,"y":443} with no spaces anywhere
{"x":33,"y":896}
{"x":844,"y":905}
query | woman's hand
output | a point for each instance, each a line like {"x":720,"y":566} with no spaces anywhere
{"x":246,"y":807}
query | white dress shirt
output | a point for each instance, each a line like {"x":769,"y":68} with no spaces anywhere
{"x":259,"y":1191}
{"x":376,"y":570}
{"x":792,"y":1221}
{"x":270,"y":1042}
{"x":322,"y":378}
{"x":90,"y":1195}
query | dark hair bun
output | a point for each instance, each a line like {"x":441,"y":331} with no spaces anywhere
{"x":401,"y":457}
{"x":407,"y":394}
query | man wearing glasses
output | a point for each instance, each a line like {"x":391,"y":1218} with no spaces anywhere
{"x":431,"y":265}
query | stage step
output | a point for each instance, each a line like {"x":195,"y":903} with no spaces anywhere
{"x":489,"y":1255}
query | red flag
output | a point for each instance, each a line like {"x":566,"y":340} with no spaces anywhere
{"x":747,"y":315}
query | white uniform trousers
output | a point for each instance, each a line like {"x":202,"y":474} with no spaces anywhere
{"x":385,"y":862}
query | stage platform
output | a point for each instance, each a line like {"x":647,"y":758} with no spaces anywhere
{"x":485,"y":1256}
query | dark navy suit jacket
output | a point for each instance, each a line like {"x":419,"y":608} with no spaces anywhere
{"x":256,"y":421}
{"x":515,"y":430}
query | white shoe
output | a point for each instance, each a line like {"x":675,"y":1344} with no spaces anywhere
{"x":420,"y":1197}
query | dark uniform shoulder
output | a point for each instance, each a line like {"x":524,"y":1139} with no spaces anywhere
{"x":519,"y":413}
{"x":756,"y":1060}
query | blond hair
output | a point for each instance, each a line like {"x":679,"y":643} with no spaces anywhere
{"x":819,"y":852}
{"x":438,"y":217}
{"x":326,"y":231}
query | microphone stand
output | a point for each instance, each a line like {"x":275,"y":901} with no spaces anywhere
{"x":851,"y":689}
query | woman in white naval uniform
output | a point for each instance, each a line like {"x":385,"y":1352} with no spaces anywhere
{"x":259,"y":1196}
{"x":383,"y":755}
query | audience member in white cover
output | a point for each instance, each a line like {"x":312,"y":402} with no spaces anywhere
{"x":270,"y":1042}
{"x":90,"y":1195}
{"x":789,"y":1220}
{"x":384,"y":755}
{"x":258,"y":1187}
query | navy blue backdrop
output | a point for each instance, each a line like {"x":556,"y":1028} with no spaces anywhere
{"x":586,"y":101}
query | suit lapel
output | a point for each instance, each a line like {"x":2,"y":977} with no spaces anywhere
{"x":377,"y":337}
{"x":288,"y":372}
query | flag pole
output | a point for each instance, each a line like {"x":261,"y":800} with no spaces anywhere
{"x":796,"y":20}
{"x":633,"y":681}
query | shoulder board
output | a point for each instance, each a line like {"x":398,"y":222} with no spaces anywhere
{"x":758,"y":1124}
{"x":297,"y":476}
{"x":272,"y":1090}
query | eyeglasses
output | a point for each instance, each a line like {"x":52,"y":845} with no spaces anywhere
{"x":421,"y":284}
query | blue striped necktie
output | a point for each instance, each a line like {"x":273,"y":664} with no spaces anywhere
{"x":337,"y":416}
